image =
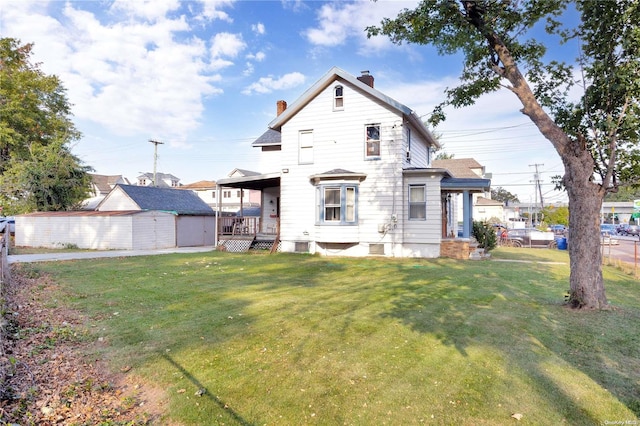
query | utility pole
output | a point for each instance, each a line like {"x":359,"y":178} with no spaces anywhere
{"x":538,"y":187}
{"x":155,"y":159}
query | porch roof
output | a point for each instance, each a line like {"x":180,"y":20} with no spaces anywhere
{"x":452,"y":184}
{"x":259,"y":182}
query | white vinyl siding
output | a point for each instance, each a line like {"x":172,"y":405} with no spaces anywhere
{"x":339,"y":143}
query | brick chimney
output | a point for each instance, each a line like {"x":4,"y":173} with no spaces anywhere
{"x":281,"y":106}
{"x":366,"y":78}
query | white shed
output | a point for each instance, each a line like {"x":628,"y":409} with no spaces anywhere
{"x":111,"y":230}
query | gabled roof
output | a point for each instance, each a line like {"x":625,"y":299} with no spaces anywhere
{"x":482,"y":201}
{"x":201,"y":184}
{"x":104,"y":183}
{"x":460,"y":167}
{"x":338,"y":74}
{"x":242,"y":172}
{"x":164,"y":199}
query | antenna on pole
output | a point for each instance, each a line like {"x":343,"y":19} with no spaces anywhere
{"x":155,"y":159}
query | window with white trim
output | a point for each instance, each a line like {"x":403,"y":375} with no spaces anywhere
{"x":372,"y":135}
{"x":305,"y":147}
{"x":338,"y":204}
{"x":417,"y":202}
{"x":338,"y":98}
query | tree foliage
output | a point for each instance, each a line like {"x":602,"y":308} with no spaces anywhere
{"x":500,"y":194}
{"x":596,"y":137}
{"x":556,"y":215}
{"x":37,"y":169}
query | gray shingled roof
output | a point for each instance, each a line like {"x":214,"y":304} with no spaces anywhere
{"x":167,"y":199}
{"x":268,"y":138}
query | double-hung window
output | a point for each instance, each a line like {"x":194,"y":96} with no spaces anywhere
{"x":337,"y":204}
{"x":305,"y":147}
{"x":417,"y":202}
{"x":372,"y":135}
{"x":338,"y":98}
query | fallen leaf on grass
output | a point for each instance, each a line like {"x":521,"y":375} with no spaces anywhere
{"x":517,"y":416}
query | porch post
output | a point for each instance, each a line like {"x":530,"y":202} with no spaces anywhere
{"x":467,"y":214}
{"x":217,"y":212}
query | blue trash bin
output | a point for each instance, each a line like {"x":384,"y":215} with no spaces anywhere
{"x":562,"y":243}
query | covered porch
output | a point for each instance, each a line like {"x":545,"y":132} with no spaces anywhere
{"x":456,"y":241}
{"x":247,"y":230}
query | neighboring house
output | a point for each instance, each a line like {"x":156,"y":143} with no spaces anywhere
{"x":205,"y":189}
{"x":164,"y":180}
{"x":101,"y":185}
{"x":231,"y":200}
{"x":129,"y":217}
{"x":352,"y":174}
{"x":486,"y":209}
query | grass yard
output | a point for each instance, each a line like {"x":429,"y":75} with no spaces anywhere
{"x":295,"y":339}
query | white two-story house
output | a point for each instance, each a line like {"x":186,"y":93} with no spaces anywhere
{"x":350,"y":174}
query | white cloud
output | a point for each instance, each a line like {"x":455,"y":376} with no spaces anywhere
{"x":131,"y":75}
{"x":338,"y":22}
{"x":211,"y":10}
{"x":227,"y":44}
{"x":268,"y":84}
{"x":151,"y":10}
{"x":258,"y":57}
{"x":258,"y":28}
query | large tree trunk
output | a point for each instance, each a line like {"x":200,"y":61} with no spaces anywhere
{"x":585,"y":203}
{"x":585,"y":196}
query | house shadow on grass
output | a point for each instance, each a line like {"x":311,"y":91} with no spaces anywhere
{"x":206,"y":393}
{"x":512,"y":312}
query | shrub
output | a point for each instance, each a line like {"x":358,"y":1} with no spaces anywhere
{"x":485,"y":235}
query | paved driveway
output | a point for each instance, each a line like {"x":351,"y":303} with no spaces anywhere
{"x":48,"y":257}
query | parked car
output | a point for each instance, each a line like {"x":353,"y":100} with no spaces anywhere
{"x":621,"y":228}
{"x":632,"y":230}
{"x":8,"y":224}
{"x":558,"y":229}
{"x":531,"y":237}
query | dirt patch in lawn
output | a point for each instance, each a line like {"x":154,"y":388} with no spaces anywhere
{"x":47,"y":376}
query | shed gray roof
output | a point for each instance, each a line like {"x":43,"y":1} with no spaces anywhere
{"x":167,"y":199}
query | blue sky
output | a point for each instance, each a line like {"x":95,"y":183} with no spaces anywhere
{"x":204,"y":77}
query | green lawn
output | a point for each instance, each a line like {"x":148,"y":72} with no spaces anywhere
{"x":295,"y":339}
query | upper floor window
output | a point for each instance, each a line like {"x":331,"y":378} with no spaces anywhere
{"x":417,"y":202}
{"x":305,"y":147}
{"x":337,"y":204}
{"x":338,"y":98}
{"x":372,"y":141}
{"x":226,"y":194}
{"x":408,"y":133}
